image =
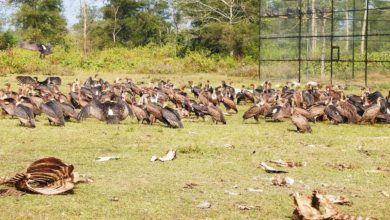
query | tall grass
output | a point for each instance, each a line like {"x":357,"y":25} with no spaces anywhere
{"x":161,"y":60}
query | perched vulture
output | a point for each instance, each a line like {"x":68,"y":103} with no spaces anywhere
{"x":253,"y":112}
{"x":68,"y":110}
{"x":333,"y":114}
{"x":154,"y":111}
{"x":229,"y":104}
{"x":141,"y":114}
{"x":216,"y":114}
{"x":8,"y":105}
{"x":47,"y":176}
{"x":171,"y":118}
{"x":301,"y":123}
{"x":44,"y":49}
{"x":348,"y":111}
{"x":372,"y":112}
{"x":25,"y":115}
{"x":53,"y":110}
{"x":317,"y":111}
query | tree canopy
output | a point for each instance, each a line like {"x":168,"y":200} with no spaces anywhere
{"x":40,"y":20}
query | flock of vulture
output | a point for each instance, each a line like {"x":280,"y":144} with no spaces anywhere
{"x":114,"y":102}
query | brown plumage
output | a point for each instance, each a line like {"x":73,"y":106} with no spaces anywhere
{"x":140,"y":113}
{"x":304,"y":113}
{"x":372,"y":112}
{"x":284,"y":112}
{"x":53,"y":110}
{"x":229,"y":104}
{"x":253,"y":112}
{"x":203,"y":98}
{"x":25,"y":115}
{"x":300,"y":122}
{"x":348,"y":111}
{"x":154,"y":112}
{"x":317,"y":111}
{"x":216,"y":114}
{"x":48,"y":176}
{"x":8,"y":105}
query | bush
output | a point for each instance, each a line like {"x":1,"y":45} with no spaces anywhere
{"x":7,"y":40}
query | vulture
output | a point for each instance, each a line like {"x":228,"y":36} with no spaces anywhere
{"x":68,"y":110}
{"x":308,"y":98}
{"x":357,"y":101}
{"x":253,"y":112}
{"x":25,"y":115}
{"x":53,"y":110}
{"x":8,"y":105}
{"x":216,"y":114}
{"x":140,"y":113}
{"x":300,"y":122}
{"x":28,"y":80}
{"x":171,"y":118}
{"x":154,"y":111}
{"x":195,"y":89}
{"x":112,"y":112}
{"x":47,"y":176}
{"x":229,"y":104}
{"x":304,"y":113}
{"x":282,"y":112}
{"x":32,"y":102}
{"x":348,"y":111}
{"x":333,"y":113}
{"x":372,"y":112}
{"x":44,"y":49}
{"x":198,"y":109}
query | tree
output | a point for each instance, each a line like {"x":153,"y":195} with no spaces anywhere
{"x":40,"y":20}
{"x":221,"y":26}
{"x":136,"y":22}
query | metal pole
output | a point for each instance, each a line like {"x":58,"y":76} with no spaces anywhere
{"x":353,"y":39}
{"x":307,"y":44}
{"x":259,"y":46}
{"x":366,"y":46}
{"x":300,"y":41}
{"x":331,"y":45}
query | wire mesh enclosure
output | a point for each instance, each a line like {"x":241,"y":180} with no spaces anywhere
{"x":334,"y":39}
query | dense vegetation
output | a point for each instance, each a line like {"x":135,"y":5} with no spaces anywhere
{"x":202,"y":36}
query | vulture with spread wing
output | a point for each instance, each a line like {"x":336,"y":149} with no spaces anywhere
{"x":44,"y":49}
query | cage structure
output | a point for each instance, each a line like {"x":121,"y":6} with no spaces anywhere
{"x":330,"y":36}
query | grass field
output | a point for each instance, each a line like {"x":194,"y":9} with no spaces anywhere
{"x":155,"y":190}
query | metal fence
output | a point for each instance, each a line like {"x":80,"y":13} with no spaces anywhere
{"x":360,"y":19}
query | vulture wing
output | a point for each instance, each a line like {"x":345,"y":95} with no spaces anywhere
{"x":29,"y":45}
{"x":26,"y":80}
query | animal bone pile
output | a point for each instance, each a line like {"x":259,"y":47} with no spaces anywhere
{"x":320,"y":206}
{"x":114,"y":102}
{"x":47,"y":176}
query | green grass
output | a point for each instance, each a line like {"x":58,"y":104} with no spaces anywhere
{"x":155,"y":190}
